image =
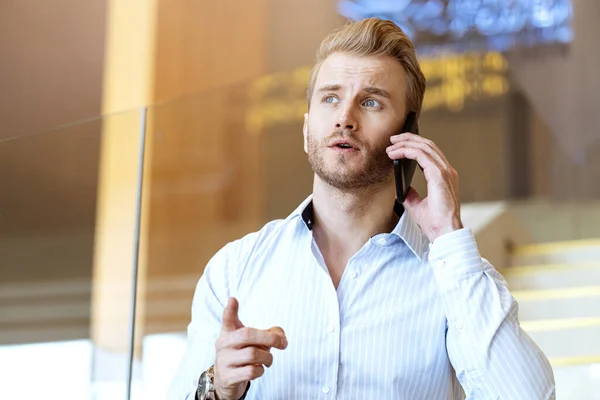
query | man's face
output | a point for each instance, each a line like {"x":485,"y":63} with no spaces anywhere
{"x":357,"y":104}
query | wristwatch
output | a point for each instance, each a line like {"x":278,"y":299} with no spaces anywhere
{"x":206,"y":388}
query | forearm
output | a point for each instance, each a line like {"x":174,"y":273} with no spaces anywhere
{"x":492,"y":355}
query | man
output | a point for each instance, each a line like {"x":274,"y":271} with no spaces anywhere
{"x":349,"y":297}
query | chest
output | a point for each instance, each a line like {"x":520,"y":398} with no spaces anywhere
{"x":383,"y":327}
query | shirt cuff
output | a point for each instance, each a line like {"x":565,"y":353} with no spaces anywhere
{"x":455,"y":255}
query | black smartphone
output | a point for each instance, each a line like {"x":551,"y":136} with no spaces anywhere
{"x":404,"y":169}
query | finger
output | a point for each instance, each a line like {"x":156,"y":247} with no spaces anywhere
{"x":231,"y":320}
{"x":404,"y":137}
{"x":413,"y":198}
{"x":248,"y":373}
{"x":431,"y":168}
{"x":250,"y":356}
{"x":254,"y":337}
{"x":426,"y":147}
{"x":279,"y":331}
{"x":412,"y":138}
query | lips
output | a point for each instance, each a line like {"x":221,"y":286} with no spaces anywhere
{"x":346,"y":144}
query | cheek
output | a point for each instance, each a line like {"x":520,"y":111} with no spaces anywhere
{"x":316,"y":129}
{"x":380,"y":132}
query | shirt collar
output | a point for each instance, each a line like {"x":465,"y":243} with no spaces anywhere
{"x":406,"y":228}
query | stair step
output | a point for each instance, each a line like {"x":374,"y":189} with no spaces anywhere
{"x":569,"y":338}
{"x":587,"y":250}
{"x":552,"y":276}
{"x":579,"y":302}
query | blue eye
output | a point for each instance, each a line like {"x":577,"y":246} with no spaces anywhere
{"x":372,"y":103}
{"x":330,"y":99}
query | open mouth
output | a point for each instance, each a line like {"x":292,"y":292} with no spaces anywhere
{"x":343,"y":145}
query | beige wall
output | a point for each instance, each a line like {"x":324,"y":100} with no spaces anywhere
{"x":295,"y":29}
{"x":51,"y":54}
{"x":563,"y":89}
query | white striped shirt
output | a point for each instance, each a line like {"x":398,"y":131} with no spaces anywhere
{"x":409,"y":320}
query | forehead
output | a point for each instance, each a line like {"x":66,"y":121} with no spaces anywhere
{"x":363,"y":71}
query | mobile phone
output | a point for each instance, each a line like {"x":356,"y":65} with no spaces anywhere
{"x":404,"y":169}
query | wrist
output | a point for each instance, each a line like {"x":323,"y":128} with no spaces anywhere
{"x":239,"y":397}
{"x":453,"y":225}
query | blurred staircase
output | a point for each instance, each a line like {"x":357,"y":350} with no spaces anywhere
{"x":557,"y":286}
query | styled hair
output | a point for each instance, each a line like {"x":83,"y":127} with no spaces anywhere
{"x":375,"y":37}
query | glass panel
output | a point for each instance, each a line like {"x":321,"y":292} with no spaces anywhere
{"x":68,"y":203}
{"x":204,"y":186}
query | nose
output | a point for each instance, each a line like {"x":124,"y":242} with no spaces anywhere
{"x":347,"y":120}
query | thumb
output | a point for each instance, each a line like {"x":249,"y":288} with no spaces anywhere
{"x":413,"y":198}
{"x":231,"y":321}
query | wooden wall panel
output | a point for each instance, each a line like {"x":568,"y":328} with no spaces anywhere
{"x":207,"y":44}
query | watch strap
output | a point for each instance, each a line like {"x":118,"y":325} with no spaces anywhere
{"x":246,"y":392}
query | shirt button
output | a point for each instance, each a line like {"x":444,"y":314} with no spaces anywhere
{"x":331,"y":328}
{"x":325,"y":389}
{"x":354,"y":275}
{"x":441,"y":263}
{"x":459,"y":325}
{"x":382,"y":242}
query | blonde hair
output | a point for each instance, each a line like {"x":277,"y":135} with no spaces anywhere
{"x":375,"y":37}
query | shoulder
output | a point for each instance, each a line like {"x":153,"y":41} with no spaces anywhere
{"x":242,"y":248}
{"x":231,"y":260}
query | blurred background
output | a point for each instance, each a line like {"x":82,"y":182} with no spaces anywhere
{"x":138,"y":137}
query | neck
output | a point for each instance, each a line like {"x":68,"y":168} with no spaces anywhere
{"x":345,"y":220}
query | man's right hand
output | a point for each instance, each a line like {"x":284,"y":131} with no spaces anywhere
{"x":242,"y":353}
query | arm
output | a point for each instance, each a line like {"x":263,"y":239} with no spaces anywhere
{"x":492,"y":356}
{"x":210,"y":298}
{"x":217,"y":336}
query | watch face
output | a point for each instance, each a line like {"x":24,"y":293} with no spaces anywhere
{"x":204,"y":384}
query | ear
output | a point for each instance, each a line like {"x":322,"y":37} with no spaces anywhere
{"x":305,"y":132}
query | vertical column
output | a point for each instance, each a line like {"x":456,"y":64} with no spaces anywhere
{"x":128,"y":73}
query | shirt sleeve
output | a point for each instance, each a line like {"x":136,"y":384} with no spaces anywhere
{"x":210,"y":298}
{"x":492,"y":356}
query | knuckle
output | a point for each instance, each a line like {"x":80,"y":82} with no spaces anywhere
{"x":253,"y":353}
{"x":245,"y":334}
{"x":437,"y":171}
{"x":248,"y":373}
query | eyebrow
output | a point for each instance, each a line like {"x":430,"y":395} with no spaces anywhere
{"x":371,"y":90}
{"x":330,"y":88}
{"x":378,"y":91}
